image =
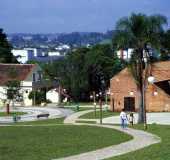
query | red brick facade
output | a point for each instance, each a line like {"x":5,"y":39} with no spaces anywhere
{"x":124,"y":90}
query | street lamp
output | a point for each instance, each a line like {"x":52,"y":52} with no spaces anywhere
{"x":94,"y":102}
{"x":146,"y":79}
{"x":100,"y":104}
{"x":151,"y":79}
{"x":107,"y":92}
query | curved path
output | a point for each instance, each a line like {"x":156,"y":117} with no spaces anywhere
{"x":32,"y":113}
{"x":140,"y":140}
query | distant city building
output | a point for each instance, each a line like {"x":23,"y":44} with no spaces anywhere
{"x":125,"y":54}
{"x":54,"y":53}
{"x":63,"y":47}
{"x":23,"y":55}
{"x":39,"y":54}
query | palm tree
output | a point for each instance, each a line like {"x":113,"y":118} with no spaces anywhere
{"x":137,"y":32}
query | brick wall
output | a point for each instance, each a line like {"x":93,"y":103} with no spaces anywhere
{"x":123,"y":85}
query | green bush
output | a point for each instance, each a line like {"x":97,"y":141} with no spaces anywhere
{"x":39,"y":95}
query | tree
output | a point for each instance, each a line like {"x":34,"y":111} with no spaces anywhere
{"x":165,"y":50}
{"x":13,"y":86}
{"x":85,"y":70}
{"x":101,"y":66}
{"x":137,"y":32}
{"x":5,"y":50}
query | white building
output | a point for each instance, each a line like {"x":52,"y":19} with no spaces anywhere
{"x":27,"y":74}
{"x":26,"y":54}
{"x":23,"y":55}
{"x":125,"y":54}
{"x":56,"y":53}
{"x":63,"y":47}
{"x":53,"y":96}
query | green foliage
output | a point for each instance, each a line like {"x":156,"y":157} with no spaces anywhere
{"x":38,"y":95}
{"x":85,"y":70}
{"x":13,"y":87}
{"x":138,"y":32}
{"x":165,"y":50}
{"x":5,"y":50}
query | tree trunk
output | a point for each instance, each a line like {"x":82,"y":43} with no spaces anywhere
{"x":141,"y":88}
{"x":141,"y":105}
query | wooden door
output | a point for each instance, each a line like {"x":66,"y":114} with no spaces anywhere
{"x":129,"y":103}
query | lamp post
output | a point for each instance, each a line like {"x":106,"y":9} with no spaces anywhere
{"x":147,"y":79}
{"x":94,"y":102}
{"x":100,"y":104}
{"x":145,"y":58}
{"x":106,"y":93}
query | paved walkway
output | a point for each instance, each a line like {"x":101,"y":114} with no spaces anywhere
{"x":32,"y":113}
{"x":140,"y":140}
{"x":158,"y":118}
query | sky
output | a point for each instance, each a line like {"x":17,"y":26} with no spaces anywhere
{"x":58,"y":16}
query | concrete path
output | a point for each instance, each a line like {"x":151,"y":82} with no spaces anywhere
{"x":32,"y":113}
{"x":158,"y":118}
{"x":72,"y":118}
{"x":140,"y":140}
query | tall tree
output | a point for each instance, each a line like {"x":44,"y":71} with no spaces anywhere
{"x":138,"y":31}
{"x":165,"y":41}
{"x":85,"y":70}
{"x":5,"y":49}
{"x":101,"y":66}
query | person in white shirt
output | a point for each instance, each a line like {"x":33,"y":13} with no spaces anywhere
{"x":123,"y":118}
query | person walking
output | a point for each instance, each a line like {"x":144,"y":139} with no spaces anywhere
{"x":124,"y":119}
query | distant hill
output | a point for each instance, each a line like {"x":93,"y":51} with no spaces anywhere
{"x":78,"y":39}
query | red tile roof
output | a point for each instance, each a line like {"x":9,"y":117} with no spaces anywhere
{"x":14,"y":72}
{"x":161,"y":70}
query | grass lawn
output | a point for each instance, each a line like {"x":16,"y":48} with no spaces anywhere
{"x":46,"y":143}
{"x":91,"y":122}
{"x":159,"y":151}
{"x":104,"y":114}
{"x":80,"y":108}
{"x":2,"y":114}
{"x":84,"y":104}
{"x":42,"y":122}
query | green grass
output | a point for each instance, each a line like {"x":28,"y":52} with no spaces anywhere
{"x":46,"y":143}
{"x":84,"y":104}
{"x":80,"y":108}
{"x":42,"y":122}
{"x":159,"y":151}
{"x":105,"y":114}
{"x":91,"y":122}
{"x":2,"y":114}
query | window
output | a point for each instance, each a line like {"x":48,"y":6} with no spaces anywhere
{"x":39,"y":75}
{"x":33,"y":77}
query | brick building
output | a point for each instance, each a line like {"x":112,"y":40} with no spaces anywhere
{"x":124,"y":92}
